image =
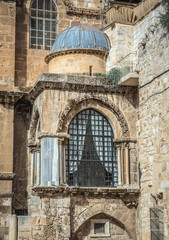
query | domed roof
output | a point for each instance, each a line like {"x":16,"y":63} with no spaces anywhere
{"x":81,"y":37}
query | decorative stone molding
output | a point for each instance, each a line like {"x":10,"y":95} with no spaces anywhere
{"x":6,"y":195}
{"x":7,"y":176}
{"x":73,"y":51}
{"x":58,"y":135}
{"x":77,"y":83}
{"x":33,"y":126}
{"x":125,"y":142}
{"x":102,"y":101}
{"x":122,"y":193}
{"x":10,"y":97}
{"x":130,"y":202}
{"x":70,"y":9}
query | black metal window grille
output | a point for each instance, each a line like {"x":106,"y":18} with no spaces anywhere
{"x":99,"y":228}
{"x":43,"y":24}
{"x":156,"y":223}
{"x":90,"y":152}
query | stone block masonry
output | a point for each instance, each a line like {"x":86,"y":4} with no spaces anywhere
{"x":7,"y":45}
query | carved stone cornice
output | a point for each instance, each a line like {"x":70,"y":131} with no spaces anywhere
{"x":75,"y":51}
{"x":7,"y":176}
{"x":54,"y":135}
{"x":70,"y":9}
{"x":6,"y":195}
{"x":125,"y":142}
{"x":10,"y":97}
{"x":128,"y":196}
{"x":66,"y":82}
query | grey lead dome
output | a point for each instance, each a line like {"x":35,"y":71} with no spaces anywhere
{"x":81,"y":37}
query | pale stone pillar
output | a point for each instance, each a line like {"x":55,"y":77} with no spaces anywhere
{"x":13,"y":227}
{"x":127,"y":164}
{"x":119,"y":164}
{"x":32,"y":164}
{"x":62,"y":137}
{"x":61,"y":157}
{"x":38,"y":167}
{"x":49,"y":161}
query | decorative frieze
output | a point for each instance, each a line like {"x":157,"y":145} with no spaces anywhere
{"x":122,"y":193}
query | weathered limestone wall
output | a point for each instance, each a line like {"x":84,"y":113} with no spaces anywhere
{"x":153,"y":141}
{"x":78,"y":63}
{"x":122,"y":47}
{"x":6,"y":166}
{"x":30,"y":63}
{"x":7,"y":45}
{"x":65,"y":217}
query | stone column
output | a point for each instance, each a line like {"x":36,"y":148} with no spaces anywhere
{"x":13,"y":227}
{"x":62,"y":137}
{"x":49,"y":161}
{"x":32,"y":164}
{"x":127,"y":164}
{"x":119,"y":165}
{"x":38,"y":167}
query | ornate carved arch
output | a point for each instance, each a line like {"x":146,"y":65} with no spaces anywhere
{"x":72,"y":107}
{"x":33,"y":125}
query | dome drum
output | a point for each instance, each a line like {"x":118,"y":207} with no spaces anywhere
{"x":79,"y":49}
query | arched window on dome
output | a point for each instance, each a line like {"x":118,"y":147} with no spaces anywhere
{"x":43,"y":24}
{"x":91,"y":159}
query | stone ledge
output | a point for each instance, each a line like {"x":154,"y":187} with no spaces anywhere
{"x":68,"y":82}
{"x":7,"y":176}
{"x":119,"y":192}
{"x":6,"y":195}
{"x":131,"y":79}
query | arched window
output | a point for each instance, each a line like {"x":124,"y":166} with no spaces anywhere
{"x":43,"y":24}
{"x":90,"y":152}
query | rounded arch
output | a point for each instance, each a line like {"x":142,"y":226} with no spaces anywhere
{"x":104,"y":106}
{"x":91,"y":155}
{"x":33,"y":126}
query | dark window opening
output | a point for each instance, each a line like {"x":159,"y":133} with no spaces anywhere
{"x":90,"y":152}
{"x":21,"y":212}
{"x":90,"y":70}
{"x":43,"y":24}
{"x":99,"y":228}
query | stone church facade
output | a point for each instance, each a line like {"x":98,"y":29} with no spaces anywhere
{"x":81,"y":159}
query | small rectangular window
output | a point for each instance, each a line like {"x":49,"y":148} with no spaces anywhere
{"x":100,"y":228}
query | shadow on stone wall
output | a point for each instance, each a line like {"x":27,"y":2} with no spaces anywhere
{"x":20,"y":167}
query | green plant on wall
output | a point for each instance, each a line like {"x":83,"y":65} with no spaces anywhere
{"x":112,"y":77}
{"x":164,"y":17}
